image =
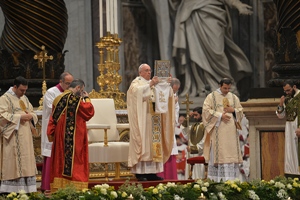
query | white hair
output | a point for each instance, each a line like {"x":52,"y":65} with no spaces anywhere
{"x":141,"y":66}
{"x":175,"y":81}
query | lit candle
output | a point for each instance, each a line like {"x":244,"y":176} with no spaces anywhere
{"x":101,"y":18}
{"x":111,"y":16}
{"x":116,"y":16}
{"x":107,"y":16}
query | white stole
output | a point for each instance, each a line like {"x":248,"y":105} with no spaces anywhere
{"x":162,"y":93}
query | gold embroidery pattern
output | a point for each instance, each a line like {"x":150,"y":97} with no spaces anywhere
{"x":70,"y":103}
{"x":292,"y":108}
{"x":225,"y":102}
{"x":62,"y":183}
{"x":156,"y":138}
{"x":162,"y":97}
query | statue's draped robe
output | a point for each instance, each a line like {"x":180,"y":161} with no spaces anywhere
{"x":18,"y":165}
{"x":67,"y":128}
{"x":291,"y":159}
{"x":204,"y":46}
{"x":221,"y":146}
{"x":141,"y":149}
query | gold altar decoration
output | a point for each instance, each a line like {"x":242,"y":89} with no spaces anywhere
{"x":42,"y":57}
{"x":187,"y":102}
{"x":109,"y":78}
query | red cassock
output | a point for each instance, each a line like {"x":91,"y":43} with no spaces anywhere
{"x":181,"y":162}
{"x":67,"y":127}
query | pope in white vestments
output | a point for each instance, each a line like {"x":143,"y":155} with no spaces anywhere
{"x":151,"y":133}
{"x":17,"y":165}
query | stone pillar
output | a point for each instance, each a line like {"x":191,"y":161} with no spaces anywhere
{"x":266,"y":135}
{"x":79,"y":43}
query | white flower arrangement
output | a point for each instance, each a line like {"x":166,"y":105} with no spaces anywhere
{"x":280,"y":189}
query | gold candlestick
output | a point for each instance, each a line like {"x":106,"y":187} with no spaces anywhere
{"x":42,"y":57}
{"x":188,"y":102}
{"x":109,"y":65}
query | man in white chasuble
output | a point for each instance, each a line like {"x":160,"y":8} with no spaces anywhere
{"x":222,"y":114}
{"x":150,"y":105}
{"x":17,"y":121}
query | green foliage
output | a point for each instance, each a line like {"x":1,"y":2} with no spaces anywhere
{"x":68,"y":192}
{"x":278,"y":189}
{"x":135,"y":190}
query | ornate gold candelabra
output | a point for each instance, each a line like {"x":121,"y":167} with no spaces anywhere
{"x":42,"y":57}
{"x":109,"y":66}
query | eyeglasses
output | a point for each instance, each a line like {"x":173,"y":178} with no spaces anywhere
{"x":148,"y":70}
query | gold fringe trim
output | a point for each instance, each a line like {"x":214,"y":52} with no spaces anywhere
{"x":62,"y":183}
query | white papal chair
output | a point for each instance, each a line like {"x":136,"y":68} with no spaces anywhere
{"x":103,"y":136}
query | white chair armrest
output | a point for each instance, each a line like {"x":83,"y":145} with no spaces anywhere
{"x":97,"y":126}
{"x":122,"y":126}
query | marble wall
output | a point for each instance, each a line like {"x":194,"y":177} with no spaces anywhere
{"x":79,"y":43}
{"x":139,"y":41}
{"x":254,"y":34}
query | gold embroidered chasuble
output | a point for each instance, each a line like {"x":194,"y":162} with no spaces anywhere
{"x":16,"y":146}
{"x":151,"y":133}
{"x":222,"y":137}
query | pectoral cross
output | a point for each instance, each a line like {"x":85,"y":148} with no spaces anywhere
{"x":42,"y":58}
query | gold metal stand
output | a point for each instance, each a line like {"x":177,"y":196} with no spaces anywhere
{"x":42,"y":58}
{"x":188,"y":102}
{"x":109,"y":78}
